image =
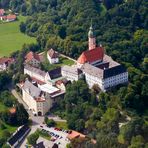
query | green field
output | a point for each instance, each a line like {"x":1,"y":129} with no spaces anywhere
{"x":11,"y":39}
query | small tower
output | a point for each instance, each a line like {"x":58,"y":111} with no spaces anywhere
{"x":91,"y":38}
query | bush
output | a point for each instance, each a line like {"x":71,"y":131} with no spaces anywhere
{"x":2,"y":125}
{"x":51,"y":123}
{"x":6,"y":134}
{"x":46,"y":119}
{"x":32,"y":139}
{"x":6,"y":146}
{"x":2,"y":141}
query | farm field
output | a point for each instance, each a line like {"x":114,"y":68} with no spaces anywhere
{"x":11,"y":39}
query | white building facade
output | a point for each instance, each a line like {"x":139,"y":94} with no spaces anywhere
{"x":52,"y":56}
{"x":107,"y":83}
{"x":34,"y":72}
{"x":71,"y":73}
{"x":99,"y":68}
{"x":39,"y":106}
{"x":5,"y":62}
{"x":34,"y":62}
{"x":105,"y":78}
{"x":41,"y":97}
{"x":3,"y":67}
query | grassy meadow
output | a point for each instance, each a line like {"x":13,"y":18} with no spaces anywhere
{"x":11,"y":39}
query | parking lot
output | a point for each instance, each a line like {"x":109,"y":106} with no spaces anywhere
{"x":58,"y":136}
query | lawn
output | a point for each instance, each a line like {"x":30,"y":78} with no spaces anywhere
{"x":2,"y":107}
{"x":62,"y":61}
{"x":11,"y":39}
{"x":62,"y":125}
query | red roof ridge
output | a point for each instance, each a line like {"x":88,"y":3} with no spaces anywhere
{"x":91,"y":55}
{"x":4,"y":60}
{"x":32,"y":55}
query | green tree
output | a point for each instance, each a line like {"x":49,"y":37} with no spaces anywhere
{"x":32,"y":139}
{"x":21,"y":114}
{"x":51,"y":123}
{"x":137,"y":142}
{"x":80,"y":125}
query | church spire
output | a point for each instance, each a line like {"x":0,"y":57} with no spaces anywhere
{"x":91,"y":32}
{"x":91,"y":38}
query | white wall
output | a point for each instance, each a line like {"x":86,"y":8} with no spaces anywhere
{"x":91,"y":80}
{"x":35,"y":106}
{"x":115,"y":80}
{"x":106,"y":83}
{"x":32,"y":74}
{"x":70,"y":76}
{"x":52,"y":60}
{"x":29,"y":100}
{"x":3,"y":66}
{"x":34,"y":63}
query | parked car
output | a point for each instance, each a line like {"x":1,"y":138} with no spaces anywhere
{"x":69,"y":132}
{"x":53,"y":139}
{"x":57,"y":136}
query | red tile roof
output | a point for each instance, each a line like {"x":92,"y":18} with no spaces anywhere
{"x":75,"y":134}
{"x":52,"y":53}
{"x":12,"y":110}
{"x":91,"y":55}
{"x":40,"y":99}
{"x":6,"y":60}
{"x":4,"y":17}
{"x":10,"y":17}
{"x":31,"y":55}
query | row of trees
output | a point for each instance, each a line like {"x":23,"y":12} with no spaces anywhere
{"x":13,"y":113}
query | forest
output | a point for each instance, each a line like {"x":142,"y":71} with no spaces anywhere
{"x":121,"y":27}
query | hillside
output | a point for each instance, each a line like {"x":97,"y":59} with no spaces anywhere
{"x":121,"y":27}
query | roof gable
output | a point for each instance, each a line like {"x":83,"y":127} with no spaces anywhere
{"x":6,"y":60}
{"x":52,"y":53}
{"x":31,"y":55}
